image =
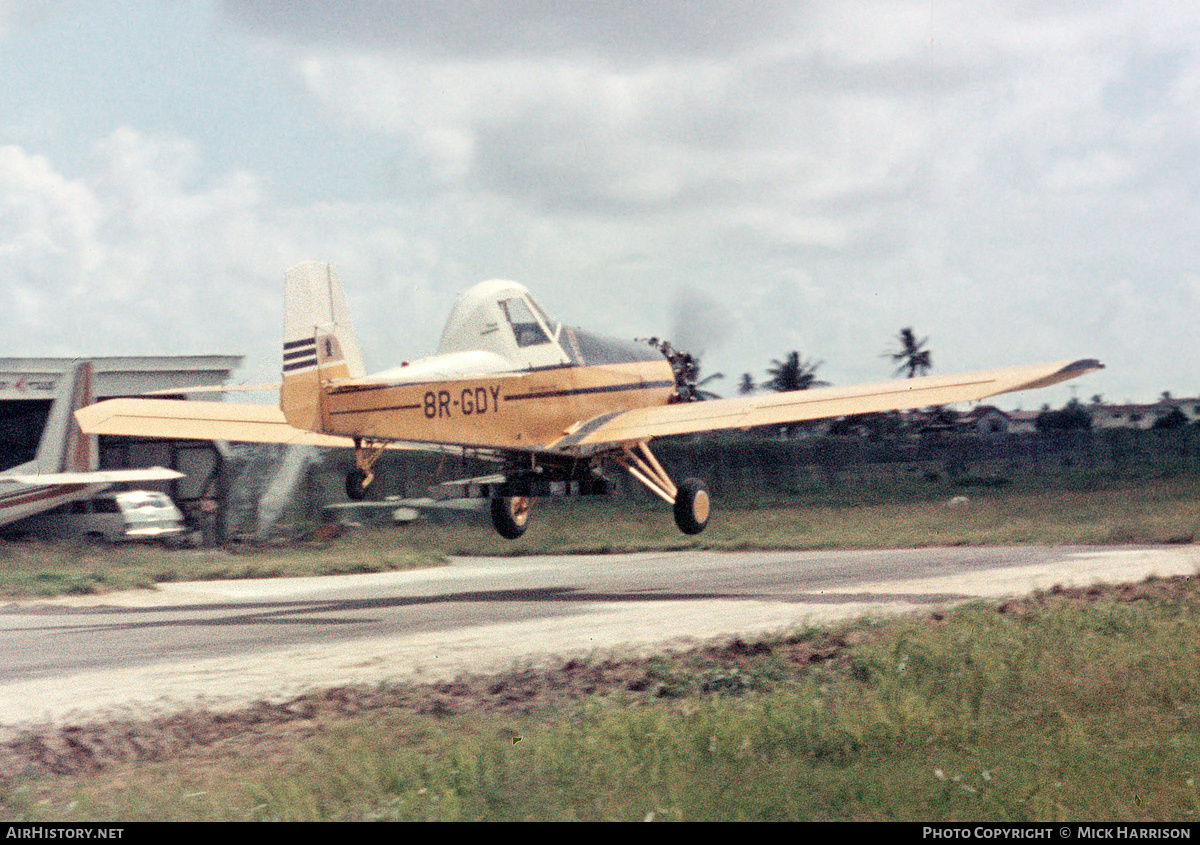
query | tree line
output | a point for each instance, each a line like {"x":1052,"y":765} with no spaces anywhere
{"x":795,"y":372}
{"x":912,"y":357}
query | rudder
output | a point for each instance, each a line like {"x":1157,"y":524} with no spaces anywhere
{"x":319,"y":344}
{"x":63,"y":447}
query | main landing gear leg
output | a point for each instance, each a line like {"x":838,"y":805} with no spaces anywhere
{"x":689,"y":499}
{"x":366,"y":453}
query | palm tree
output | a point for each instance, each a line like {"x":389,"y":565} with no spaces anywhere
{"x":747,"y":385}
{"x":794,"y":373}
{"x":696,"y":386}
{"x":912,"y":357}
{"x":687,"y":376}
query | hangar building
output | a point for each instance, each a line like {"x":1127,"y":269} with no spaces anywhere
{"x":28,"y":387}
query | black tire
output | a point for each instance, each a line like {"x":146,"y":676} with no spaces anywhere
{"x":691,"y":506}
{"x":356,"y":489}
{"x":510,"y":515}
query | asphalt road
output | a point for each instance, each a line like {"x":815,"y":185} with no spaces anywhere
{"x":225,"y":643}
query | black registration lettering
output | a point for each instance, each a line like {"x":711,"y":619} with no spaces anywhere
{"x":472,"y":401}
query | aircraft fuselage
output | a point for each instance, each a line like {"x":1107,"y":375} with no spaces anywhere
{"x":524,"y":410}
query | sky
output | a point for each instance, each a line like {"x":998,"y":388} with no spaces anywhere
{"x":1018,"y":181}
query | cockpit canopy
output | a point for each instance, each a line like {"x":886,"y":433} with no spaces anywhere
{"x":501,"y":317}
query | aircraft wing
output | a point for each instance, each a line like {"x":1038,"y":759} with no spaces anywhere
{"x":176,"y":420}
{"x":795,"y":406}
{"x":101,"y":476}
{"x":172,"y":419}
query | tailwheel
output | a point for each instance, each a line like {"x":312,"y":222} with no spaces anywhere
{"x":510,"y":515}
{"x":691,"y":506}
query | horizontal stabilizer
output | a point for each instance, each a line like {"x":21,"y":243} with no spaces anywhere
{"x":176,"y":420}
{"x":103,"y":476}
{"x":172,"y":419}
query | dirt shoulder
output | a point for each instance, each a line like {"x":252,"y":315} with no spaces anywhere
{"x":268,"y":730}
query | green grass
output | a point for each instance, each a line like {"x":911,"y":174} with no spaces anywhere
{"x":1053,"y":510}
{"x":1064,"y":510}
{"x":1054,"y":710}
{"x":31,"y":569}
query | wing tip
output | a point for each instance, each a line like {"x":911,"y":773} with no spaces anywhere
{"x":1083,"y":365}
{"x":1070,"y":370}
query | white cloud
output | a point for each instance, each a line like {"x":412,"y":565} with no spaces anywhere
{"x":144,"y":255}
{"x":47,"y":222}
{"x":547,"y":131}
{"x":15,"y":13}
{"x":821,"y":173}
{"x":625,"y":29}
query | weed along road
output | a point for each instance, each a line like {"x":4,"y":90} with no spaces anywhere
{"x":225,"y":643}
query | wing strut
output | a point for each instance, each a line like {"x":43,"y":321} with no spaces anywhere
{"x":689,"y":498}
{"x":646,"y":469}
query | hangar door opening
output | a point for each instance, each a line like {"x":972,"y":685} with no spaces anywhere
{"x":21,"y":425}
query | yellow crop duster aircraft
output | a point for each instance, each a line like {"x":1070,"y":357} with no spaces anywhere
{"x":551,"y":404}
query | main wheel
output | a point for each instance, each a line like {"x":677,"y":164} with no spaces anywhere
{"x":356,"y":484}
{"x":691,"y":506}
{"x":510,"y":515}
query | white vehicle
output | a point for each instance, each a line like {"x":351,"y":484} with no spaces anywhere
{"x":113,"y":517}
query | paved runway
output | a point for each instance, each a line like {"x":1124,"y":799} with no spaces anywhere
{"x":225,"y":643}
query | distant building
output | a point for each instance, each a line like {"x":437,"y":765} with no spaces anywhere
{"x":1022,"y":422}
{"x":1189,"y":407}
{"x":1141,"y":416}
{"x":985,"y":419}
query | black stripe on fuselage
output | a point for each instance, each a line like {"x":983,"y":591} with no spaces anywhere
{"x":378,"y":410}
{"x":513,"y":397}
{"x":581,"y":391}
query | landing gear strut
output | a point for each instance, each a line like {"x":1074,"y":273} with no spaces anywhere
{"x":511,"y":492}
{"x":359,"y":479}
{"x":689,"y":499}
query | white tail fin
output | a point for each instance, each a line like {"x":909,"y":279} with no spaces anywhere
{"x":63,"y":447}
{"x":319,"y":344}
